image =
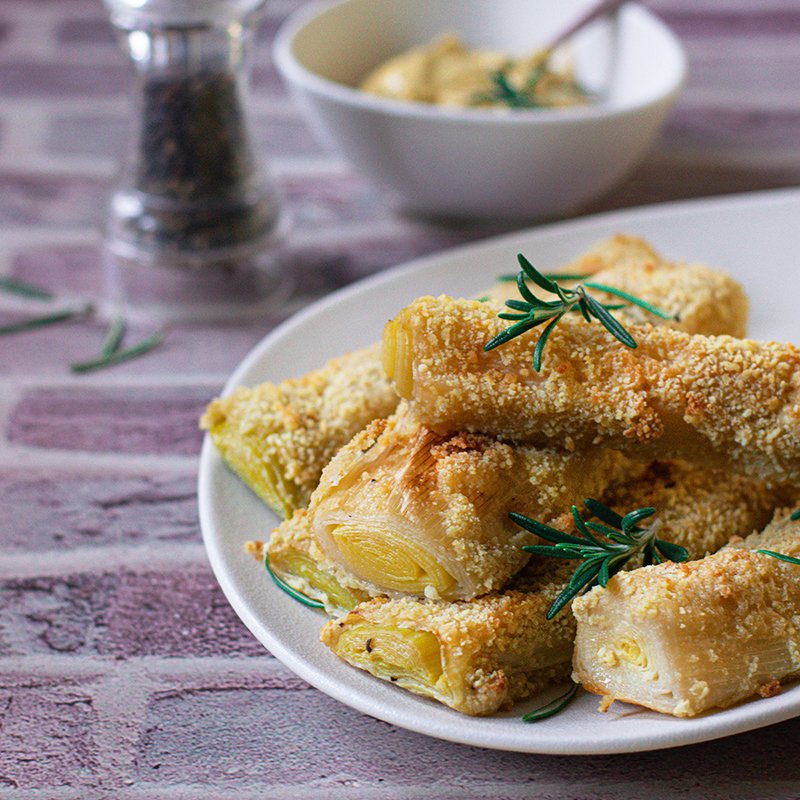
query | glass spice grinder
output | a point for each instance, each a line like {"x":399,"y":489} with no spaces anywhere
{"x":194,"y":221}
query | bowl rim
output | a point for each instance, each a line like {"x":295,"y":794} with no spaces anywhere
{"x":297,"y":75}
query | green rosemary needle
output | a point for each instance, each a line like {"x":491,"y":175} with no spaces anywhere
{"x":554,"y":706}
{"x":48,"y":319}
{"x":532,"y":311}
{"x":504,"y":93}
{"x":780,"y":556}
{"x":604,"y":547}
{"x":23,"y":289}
{"x":118,"y":356}
{"x":114,"y":336}
{"x":293,"y":593}
{"x":552,"y":276}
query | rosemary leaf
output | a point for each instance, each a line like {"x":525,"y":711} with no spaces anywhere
{"x":292,"y":592}
{"x":543,"y":531}
{"x":602,"y":557}
{"x":532,"y":310}
{"x":631,"y":299}
{"x":41,"y":322}
{"x":597,"y":310}
{"x":552,"y":276}
{"x":540,"y":280}
{"x":603,"y":512}
{"x":138,"y":349}
{"x":632,"y":518}
{"x":23,"y":289}
{"x":780,"y":556}
{"x":114,"y":337}
{"x":510,"y":333}
{"x":670,"y":551}
{"x":554,"y":706}
{"x":539,"y":349}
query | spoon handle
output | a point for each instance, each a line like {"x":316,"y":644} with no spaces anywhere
{"x":598,"y":9}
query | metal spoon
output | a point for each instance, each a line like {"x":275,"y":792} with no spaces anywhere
{"x":598,"y":9}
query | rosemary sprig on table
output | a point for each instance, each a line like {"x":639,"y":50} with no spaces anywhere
{"x":781,"y":556}
{"x":532,"y":311}
{"x":23,"y":289}
{"x":32,"y":323}
{"x":604,"y":547}
{"x":292,"y":592}
{"x":111,"y":354}
{"x":110,"y":351}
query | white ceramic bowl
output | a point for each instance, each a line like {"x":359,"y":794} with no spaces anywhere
{"x":519,"y":163}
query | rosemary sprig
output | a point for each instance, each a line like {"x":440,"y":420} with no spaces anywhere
{"x":554,"y":706}
{"x":114,"y":336}
{"x":23,"y":289}
{"x":293,"y":593}
{"x":532,"y":311}
{"x":781,"y":556}
{"x":604,"y":547}
{"x":552,"y":276}
{"x":42,"y":322}
{"x":117,"y":356}
{"x":503,"y":92}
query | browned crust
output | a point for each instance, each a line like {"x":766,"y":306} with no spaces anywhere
{"x":717,"y":400}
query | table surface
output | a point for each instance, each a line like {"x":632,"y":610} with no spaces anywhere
{"x":123,"y":670}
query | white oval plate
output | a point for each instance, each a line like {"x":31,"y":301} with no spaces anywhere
{"x":755,"y":237}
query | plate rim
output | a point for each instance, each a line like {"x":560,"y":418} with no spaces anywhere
{"x":782,"y":708}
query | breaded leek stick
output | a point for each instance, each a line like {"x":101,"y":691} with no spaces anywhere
{"x":685,"y":638}
{"x":278,"y":437}
{"x":295,"y":558}
{"x":409,"y":511}
{"x":476,"y":657}
{"x":697,"y":508}
{"x":715,"y":400}
{"x":702,"y":299}
{"x":450,"y":651}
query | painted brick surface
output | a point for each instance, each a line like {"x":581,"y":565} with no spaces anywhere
{"x":138,"y":420}
{"x":42,"y":199}
{"x":54,"y":80}
{"x":60,"y":510}
{"x":174,"y":613}
{"x":292,"y":736}
{"x":177,"y":611}
{"x":186,"y":350}
{"x":45,"y":734}
{"x":61,"y":268}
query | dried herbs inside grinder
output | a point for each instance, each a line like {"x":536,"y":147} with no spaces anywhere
{"x":192,"y":192}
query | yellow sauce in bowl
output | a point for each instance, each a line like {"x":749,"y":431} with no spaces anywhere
{"x":448,"y":73}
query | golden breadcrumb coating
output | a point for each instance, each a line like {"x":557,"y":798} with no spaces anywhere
{"x":278,"y":437}
{"x":505,"y":637}
{"x":697,"y":508}
{"x":483,"y":655}
{"x":684,"y":638}
{"x":621,"y":250}
{"x":410,"y":511}
{"x":716,"y":400}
